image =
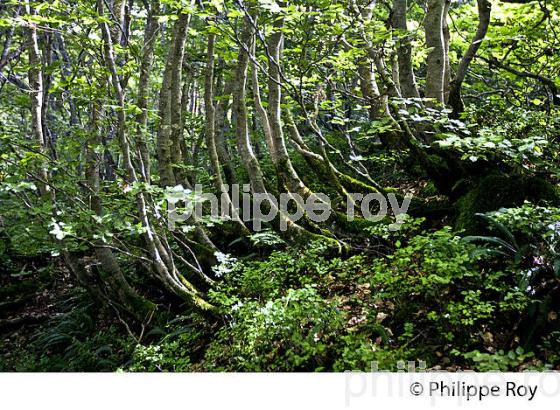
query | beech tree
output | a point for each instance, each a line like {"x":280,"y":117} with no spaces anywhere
{"x":111,"y":110}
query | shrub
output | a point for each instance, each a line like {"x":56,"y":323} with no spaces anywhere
{"x":434,"y":283}
{"x":290,"y":333}
{"x":169,"y":356}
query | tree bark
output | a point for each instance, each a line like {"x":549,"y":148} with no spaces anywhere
{"x":271,"y":119}
{"x":37,"y":98}
{"x":222,"y":125}
{"x":446,"y":44}
{"x":157,"y":245}
{"x":455,"y":99}
{"x":143,"y":91}
{"x":210,"y":133}
{"x":169,"y":133}
{"x":244,"y":145}
{"x":435,"y":70}
{"x":407,"y":80}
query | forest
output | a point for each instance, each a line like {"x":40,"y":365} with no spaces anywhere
{"x":279,"y":186}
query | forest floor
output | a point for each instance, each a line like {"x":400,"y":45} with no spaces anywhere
{"x":32,"y":292}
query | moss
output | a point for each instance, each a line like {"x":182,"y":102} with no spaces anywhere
{"x":500,"y":191}
{"x":355,"y":185}
{"x":430,"y":189}
{"x":357,"y":226}
{"x":439,"y":171}
{"x":437,"y":162}
{"x":142,"y":307}
{"x":432,"y":209}
{"x":304,"y":237}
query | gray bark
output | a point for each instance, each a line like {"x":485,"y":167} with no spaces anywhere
{"x":484,"y":13}
{"x":169,"y":132}
{"x":210,"y":133}
{"x":143,"y":91}
{"x":435,"y":71}
{"x":37,"y":98}
{"x":407,"y":80}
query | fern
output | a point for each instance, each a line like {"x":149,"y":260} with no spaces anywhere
{"x":493,"y":245}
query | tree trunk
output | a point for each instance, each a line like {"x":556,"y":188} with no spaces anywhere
{"x":157,"y":246}
{"x":210,"y":133}
{"x":143,"y":91}
{"x":244,"y":145}
{"x":168,"y":142}
{"x":407,"y":80}
{"x":455,"y":100}
{"x":435,"y":70}
{"x":37,"y":99}
{"x":271,"y":119}
{"x":222,"y":125}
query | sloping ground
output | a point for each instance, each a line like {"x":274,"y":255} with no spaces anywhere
{"x":30,"y":292}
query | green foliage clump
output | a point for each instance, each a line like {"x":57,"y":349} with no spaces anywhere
{"x":169,"y":349}
{"x":169,"y":356}
{"x":499,"y":361}
{"x":436,"y":284}
{"x":499,"y":191}
{"x":72,"y":341}
{"x":538,"y":227}
{"x":270,"y":278}
{"x":290,"y":333}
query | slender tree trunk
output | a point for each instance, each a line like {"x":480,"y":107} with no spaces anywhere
{"x":157,"y":246}
{"x":222,"y":126}
{"x":118,"y":14}
{"x":407,"y":80}
{"x":187,"y":152}
{"x":435,"y":71}
{"x":8,"y":39}
{"x":386,"y":76}
{"x":244,"y":145}
{"x":47,"y":61}
{"x":66,"y":69}
{"x":378,"y":104}
{"x":370,"y":70}
{"x":119,"y":289}
{"x":370,"y":91}
{"x":210,"y":112}
{"x":37,"y":98}
{"x":143,"y":90}
{"x":168,"y":143}
{"x":210,"y":133}
{"x":446,"y":43}
{"x":455,"y":100}
{"x":175,"y":98}
{"x":271,"y":119}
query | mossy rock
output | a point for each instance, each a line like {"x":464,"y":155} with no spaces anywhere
{"x":357,"y":226}
{"x":500,"y":191}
